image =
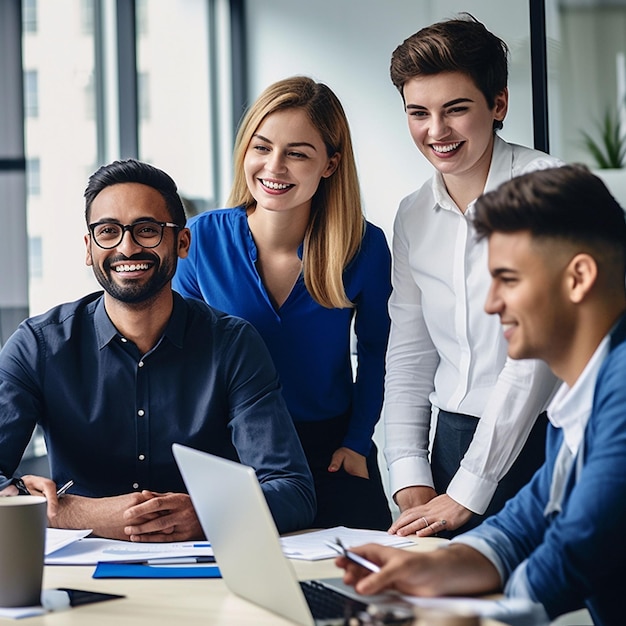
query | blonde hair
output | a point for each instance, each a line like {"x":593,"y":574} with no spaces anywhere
{"x":337,"y":224}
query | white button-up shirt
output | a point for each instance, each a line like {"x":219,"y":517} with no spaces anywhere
{"x":571,"y":406}
{"x":445,"y":351}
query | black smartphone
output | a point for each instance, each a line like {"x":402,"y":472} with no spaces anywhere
{"x":78,"y":596}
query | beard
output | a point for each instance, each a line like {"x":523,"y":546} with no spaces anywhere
{"x":135,"y":291}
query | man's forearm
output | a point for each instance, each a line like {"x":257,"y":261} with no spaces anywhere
{"x":104,"y":516}
{"x":462,"y":570}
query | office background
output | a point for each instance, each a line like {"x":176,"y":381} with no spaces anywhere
{"x":86,"y":81}
{"x":83,"y":82}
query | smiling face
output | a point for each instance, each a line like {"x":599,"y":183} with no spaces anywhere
{"x":285,"y":161}
{"x":529,"y":293}
{"x":451,"y":122}
{"x":130,"y":273}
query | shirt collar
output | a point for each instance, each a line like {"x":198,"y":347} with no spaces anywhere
{"x":499,"y":172}
{"x":571,"y":407}
{"x":501,"y":168}
{"x":105,"y":330}
{"x":174,"y":331}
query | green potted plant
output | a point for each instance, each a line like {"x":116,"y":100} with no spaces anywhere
{"x":609,"y":151}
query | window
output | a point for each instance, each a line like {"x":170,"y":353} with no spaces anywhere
{"x":143,"y":96}
{"x":29,"y":16}
{"x":60,"y":145}
{"x":33,"y":176}
{"x":35,"y":257}
{"x":141,"y":17}
{"x":174,"y":106}
{"x":90,"y":97}
{"x":87,"y":17}
{"x":73,"y":120}
{"x":31,"y":93}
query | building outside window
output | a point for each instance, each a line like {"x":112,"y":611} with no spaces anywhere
{"x":72,"y":109}
{"x":29,"y":16}
{"x":31,"y":93}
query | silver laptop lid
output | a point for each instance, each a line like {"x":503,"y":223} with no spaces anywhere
{"x":235,"y":517}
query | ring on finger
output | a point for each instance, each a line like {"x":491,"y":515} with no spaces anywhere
{"x":426,"y":524}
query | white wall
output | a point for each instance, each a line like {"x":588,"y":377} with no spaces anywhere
{"x":348,"y":46}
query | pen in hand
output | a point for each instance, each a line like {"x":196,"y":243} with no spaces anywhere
{"x":62,"y":490}
{"x":352,"y":556}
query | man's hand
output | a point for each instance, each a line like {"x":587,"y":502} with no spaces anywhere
{"x":162,"y":517}
{"x":426,"y":520}
{"x":11,"y":490}
{"x":105,"y":516}
{"x":41,"y":486}
{"x":453,"y":570}
{"x":353,"y":462}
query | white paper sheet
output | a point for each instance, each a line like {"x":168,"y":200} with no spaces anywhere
{"x":57,"y":538}
{"x":311,"y":546}
{"x":90,"y":551}
{"x":22,"y":611}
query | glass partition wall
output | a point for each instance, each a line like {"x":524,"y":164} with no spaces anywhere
{"x":587,"y":86}
{"x":105,"y":80}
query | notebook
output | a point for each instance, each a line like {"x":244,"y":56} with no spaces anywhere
{"x":236,"y":519}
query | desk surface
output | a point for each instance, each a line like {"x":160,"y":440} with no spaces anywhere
{"x":151,"y":602}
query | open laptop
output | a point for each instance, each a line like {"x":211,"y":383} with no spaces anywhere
{"x":237,"y":521}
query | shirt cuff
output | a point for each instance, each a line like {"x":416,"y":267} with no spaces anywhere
{"x":517,"y":586}
{"x":471,"y":491}
{"x":473,"y":539}
{"x":410,"y":472}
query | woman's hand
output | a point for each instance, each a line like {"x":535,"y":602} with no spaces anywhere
{"x":440,"y":513}
{"x":353,"y":462}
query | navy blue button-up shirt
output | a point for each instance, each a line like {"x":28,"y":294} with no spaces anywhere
{"x":111,"y":414}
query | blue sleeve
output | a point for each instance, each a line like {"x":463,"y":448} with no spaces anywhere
{"x":584,"y":552}
{"x":185,"y":279}
{"x":511,"y":536}
{"x":263,"y":432}
{"x":371,"y":327}
{"x":20,"y":399}
{"x":579,"y":554}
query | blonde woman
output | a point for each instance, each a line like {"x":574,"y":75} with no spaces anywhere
{"x":296,"y":257}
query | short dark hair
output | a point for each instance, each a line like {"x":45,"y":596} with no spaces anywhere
{"x":567,"y":202}
{"x":455,"y":45}
{"x":133,"y":171}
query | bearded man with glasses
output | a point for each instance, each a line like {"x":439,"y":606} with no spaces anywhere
{"x":115,"y":378}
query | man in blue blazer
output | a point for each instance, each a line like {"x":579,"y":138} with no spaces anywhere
{"x":557,"y":257}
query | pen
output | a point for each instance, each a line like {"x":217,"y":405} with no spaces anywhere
{"x":62,"y":490}
{"x":180,"y":560}
{"x":169,"y":560}
{"x":352,"y":556}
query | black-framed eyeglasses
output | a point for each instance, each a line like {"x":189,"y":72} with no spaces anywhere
{"x":145,"y":233}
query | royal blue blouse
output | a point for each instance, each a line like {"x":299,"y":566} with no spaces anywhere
{"x":310,"y":344}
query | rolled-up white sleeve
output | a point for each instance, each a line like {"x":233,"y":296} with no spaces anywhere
{"x":521,"y":393}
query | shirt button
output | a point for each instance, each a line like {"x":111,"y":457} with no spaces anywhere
{"x":141,"y":412}
{"x":135,"y":485}
{"x":140,"y":364}
{"x":142,"y":457}
{"x":123,"y":339}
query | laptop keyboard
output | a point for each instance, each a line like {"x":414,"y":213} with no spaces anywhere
{"x":327,"y":603}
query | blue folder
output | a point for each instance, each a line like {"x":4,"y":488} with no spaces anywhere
{"x":141,"y":570}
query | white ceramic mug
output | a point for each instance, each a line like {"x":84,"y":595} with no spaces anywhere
{"x":23,"y":524}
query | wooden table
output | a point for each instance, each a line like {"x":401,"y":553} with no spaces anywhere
{"x":172,"y":602}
